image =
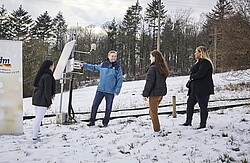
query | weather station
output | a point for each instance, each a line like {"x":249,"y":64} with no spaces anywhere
{"x":67,"y":65}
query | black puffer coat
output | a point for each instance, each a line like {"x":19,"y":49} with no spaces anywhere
{"x":43,"y":94}
{"x":155,"y":83}
{"x":201,"y":78}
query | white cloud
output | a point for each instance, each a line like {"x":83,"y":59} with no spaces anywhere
{"x":97,"y":12}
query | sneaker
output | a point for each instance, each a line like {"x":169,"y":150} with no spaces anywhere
{"x":161,"y":133}
{"x":91,"y":124}
{"x":165,"y":133}
{"x":156,"y":134}
{"x":103,"y":125}
{"x":36,"y":140}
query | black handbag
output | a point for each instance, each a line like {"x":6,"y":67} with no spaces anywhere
{"x":188,"y":83}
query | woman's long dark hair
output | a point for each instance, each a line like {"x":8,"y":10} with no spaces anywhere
{"x":44,"y":68}
{"x":160,"y":62}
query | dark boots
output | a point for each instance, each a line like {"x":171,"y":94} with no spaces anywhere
{"x":186,"y":124}
{"x":201,"y":126}
{"x":91,"y":123}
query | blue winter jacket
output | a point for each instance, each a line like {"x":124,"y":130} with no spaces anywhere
{"x":110,"y":76}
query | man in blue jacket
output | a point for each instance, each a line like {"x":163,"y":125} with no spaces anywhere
{"x":109,"y":86}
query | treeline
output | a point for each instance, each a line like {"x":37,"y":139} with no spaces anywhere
{"x":225,"y":31}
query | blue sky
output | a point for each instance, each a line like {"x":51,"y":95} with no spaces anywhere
{"x":97,"y":12}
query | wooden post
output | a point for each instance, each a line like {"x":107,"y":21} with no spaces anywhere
{"x":174,"y":107}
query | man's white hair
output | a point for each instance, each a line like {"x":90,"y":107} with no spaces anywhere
{"x":112,"y":52}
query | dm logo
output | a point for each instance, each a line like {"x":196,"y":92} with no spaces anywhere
{"x":4,"y":62}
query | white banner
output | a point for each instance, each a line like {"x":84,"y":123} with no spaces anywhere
{"x":11,"y":87}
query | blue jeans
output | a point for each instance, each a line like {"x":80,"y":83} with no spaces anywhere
{"x":97,"y":101}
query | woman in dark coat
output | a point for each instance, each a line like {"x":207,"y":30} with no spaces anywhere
{"x":44,"y":91}
{"x":155,"y":87}
{"x":200,"y":86}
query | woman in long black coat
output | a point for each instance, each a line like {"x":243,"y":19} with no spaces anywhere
{"x":44,"y":91}
{"x":200,"y":86}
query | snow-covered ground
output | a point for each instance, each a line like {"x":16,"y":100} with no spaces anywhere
{"x":226,"y":138}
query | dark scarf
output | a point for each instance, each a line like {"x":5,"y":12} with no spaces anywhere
{"x":107,"y":62}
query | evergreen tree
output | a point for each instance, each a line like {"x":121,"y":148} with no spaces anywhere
{"x":221,"y":11}
{"x":178,"y":51}
{"x":242,"y":7}
{"x":20,"y":23}
{"x":34,"y":53}
{"x":121,"y":47}
{"x":130,"y":27}
{"x":216,"y":24}
{"x":152,"y":18}
{"x":4,"y":23}
{"x":236,"y":44}
{"x":167,"y":41}
{"x":43,"y":27}
{"x":60,"y":29}
{"x":236,"y":37}
{"x":215,"y":19}
{"x":111,"y":29}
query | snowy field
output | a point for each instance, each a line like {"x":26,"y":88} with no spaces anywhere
{"x":131,"y":140}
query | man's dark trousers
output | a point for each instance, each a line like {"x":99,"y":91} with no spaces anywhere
{"x":97,"y":101}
